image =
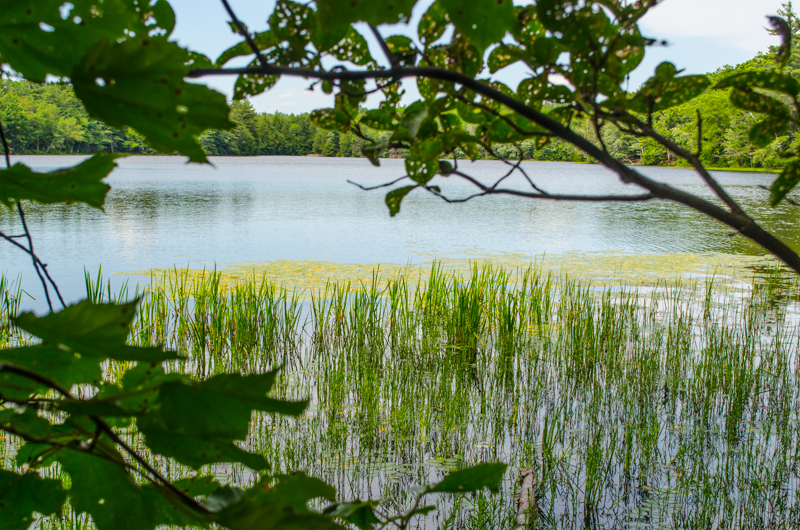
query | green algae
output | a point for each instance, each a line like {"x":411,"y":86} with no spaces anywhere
{"x":599,"y":268}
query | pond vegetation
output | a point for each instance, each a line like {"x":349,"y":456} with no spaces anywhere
{"x":658,"y":404}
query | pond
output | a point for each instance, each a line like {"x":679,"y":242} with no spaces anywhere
{"x":162,"y":212}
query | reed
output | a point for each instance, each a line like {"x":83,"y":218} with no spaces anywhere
{"x":662,"y":406}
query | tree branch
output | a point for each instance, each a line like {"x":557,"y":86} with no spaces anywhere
{"x":694,"y":160}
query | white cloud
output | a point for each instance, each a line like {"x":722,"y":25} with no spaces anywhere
{"x":734,"y":23}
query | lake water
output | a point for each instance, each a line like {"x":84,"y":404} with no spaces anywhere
{"x":162,"y":212}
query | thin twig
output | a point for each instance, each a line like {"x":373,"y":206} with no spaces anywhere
{"x":369,"y":188}
{"x":31,"y":252}
{"x":486,"y":190}
{"x":246,"y":34}
{"x":384,"y":47}
{"x":6,"y":150}
{"x":699,"y":134}
{"x":27,"y":235}
{"x":36,"y":258}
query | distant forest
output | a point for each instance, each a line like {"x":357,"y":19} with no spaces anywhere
{"x":48,"y":119}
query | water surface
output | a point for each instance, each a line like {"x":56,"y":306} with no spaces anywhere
{"x":162,"y":212}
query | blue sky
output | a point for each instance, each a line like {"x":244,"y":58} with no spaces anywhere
{"x":703,"y":35}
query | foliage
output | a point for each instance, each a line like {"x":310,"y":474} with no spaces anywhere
{"x":128,"y":75}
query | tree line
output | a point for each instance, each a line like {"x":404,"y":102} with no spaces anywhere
{"x":49,"y":119}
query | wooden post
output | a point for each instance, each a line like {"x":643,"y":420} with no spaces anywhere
{"x":526,"y":502}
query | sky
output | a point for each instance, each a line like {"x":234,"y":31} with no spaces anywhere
{"x":702,"y":35}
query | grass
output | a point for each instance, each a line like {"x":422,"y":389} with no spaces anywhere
{"x":664,"y":405}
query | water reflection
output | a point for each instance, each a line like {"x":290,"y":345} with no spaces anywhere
{"x":162,"y":212}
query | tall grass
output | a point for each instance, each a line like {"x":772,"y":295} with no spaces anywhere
{"x":671,"y":406}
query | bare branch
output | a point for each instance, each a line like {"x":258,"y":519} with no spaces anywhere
{"x":369,"y":188}
{"x":490,"y":190}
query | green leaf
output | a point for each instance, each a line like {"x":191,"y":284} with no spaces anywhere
{"x":395,"y":197}
{"x":67,"y":368}
{"x":502,"y":56}
{"x":785,"y":182}
{"x":197,"y":422}
{"x":26,"y":423}
{"x":748,"y":99}
{"x":223,"y":497}
{"x":280,"y":505}
{"x":263,"y":40}
{"x":484,"y":22}
{"x":433,"y":23}
{"x":770,"y":80}
{"x":139,"y":83}
{"x":471,"y":479}
{"x":18,"y":388}
{"x":381,"y":119}
{"x":419,"y":170}
{"x":138,"y":393}
{"x":501,"y":131}
{"x":22,"y":495}
{"x":767,"y":130}
{"x":331,"y":119}
{"x":195,"y":452}
{"x":36,"y":456}
{"x":199,"y":486}
{"x":338,"y":13}
{"x":99,"y":330}
{"x":253,"y":84}
{"x":463,"y":56}
{"x":104,"y":490}
{"x":413,"y":117}
{"x":374,"y":150}
{"x":402,"y":49}
{"x":293,"y":23}
{"x":297,"y":489}
{"x":95,"y":407}
{"x":353,"y":48}
{"x":33,"y":51}
{"x":535,"y":90}
{"x":358,"y":513}
{"x":82,"y":183}
{"x":30,"y":426}
{"x":665,"y":90}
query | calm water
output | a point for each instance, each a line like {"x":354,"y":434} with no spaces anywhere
{"x":163,"y":212}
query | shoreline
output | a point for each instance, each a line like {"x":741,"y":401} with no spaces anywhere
{"x":316,"y":155}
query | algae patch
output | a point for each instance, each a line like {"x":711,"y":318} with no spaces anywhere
{"x":599,"y":268}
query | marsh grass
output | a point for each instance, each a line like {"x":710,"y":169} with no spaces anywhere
{"x":670,"y":404}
